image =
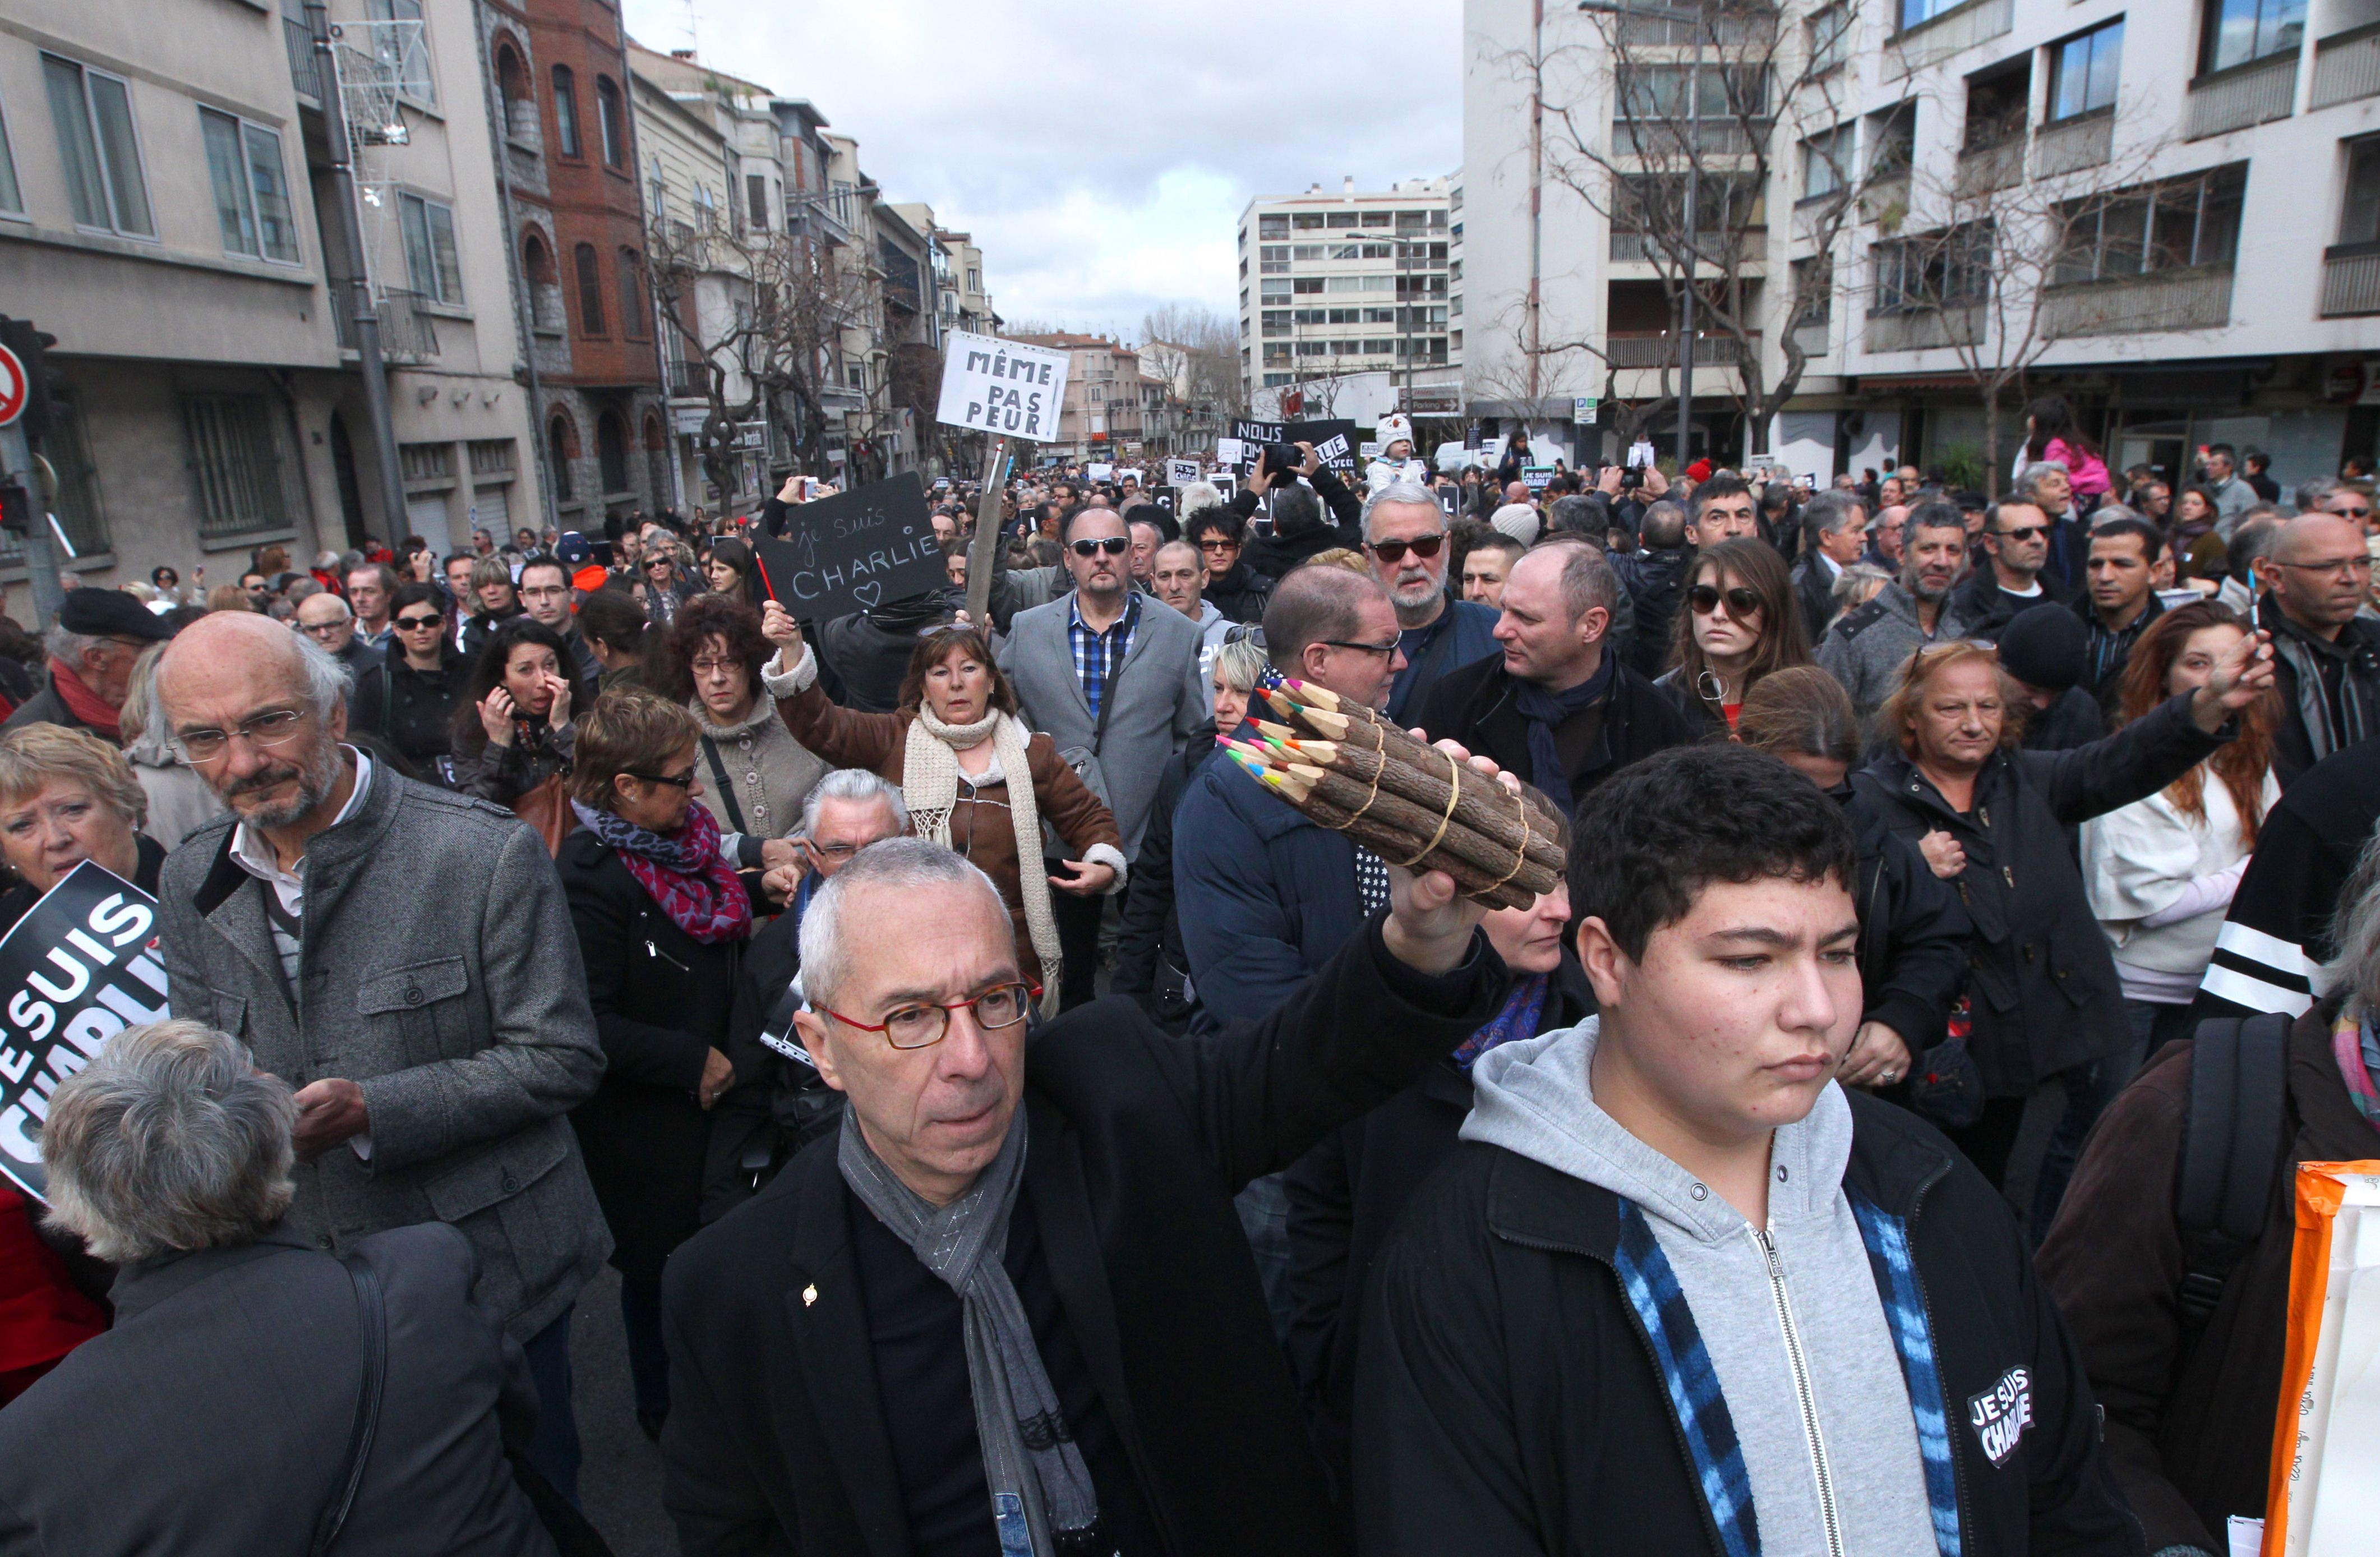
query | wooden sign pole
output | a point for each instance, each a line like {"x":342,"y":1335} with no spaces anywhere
{"x":987,"y":537}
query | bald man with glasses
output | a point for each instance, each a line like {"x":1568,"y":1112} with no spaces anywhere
{"x":2326,"y":656}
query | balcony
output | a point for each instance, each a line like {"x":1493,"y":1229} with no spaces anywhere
{"x":1987,"y":169}
{"x":1946,"y":33}
{"x":2253,"y":93}
{"x":2075,"y":144}
{"x":1919,"y":329}
{"x":1746,"y":28}
{"x":1750,"y":245}
{"x":2191,"y":300}
{"x":2346,"y":66}
{"x":1884,"y":201}
{"x":1659,"y":349}
{"x":1661,"y":139}
{"x":303,"y":67}
{"x":2351,"y":280}
{"x":407,"y":332}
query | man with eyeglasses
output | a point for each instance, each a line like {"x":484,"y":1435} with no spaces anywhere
{"x":404,"y":958}
{"x":325,"y":619}
{"x":1010,"y":1307}
{"x":545,"y":594}
{"x":2328,"y":657}
{"x":1111,"y":677}
{"x":98,"y":635}
{"x":2016,"y":549}
{"x":1404,"y":535}
{"x":1238,"y":590}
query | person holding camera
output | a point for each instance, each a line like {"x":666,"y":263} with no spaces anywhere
{"x":1299,"y":528}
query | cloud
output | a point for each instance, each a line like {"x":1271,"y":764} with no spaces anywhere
{"x":1101,"y":153}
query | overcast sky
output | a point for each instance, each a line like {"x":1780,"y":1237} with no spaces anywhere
{"x":1100,"y":153}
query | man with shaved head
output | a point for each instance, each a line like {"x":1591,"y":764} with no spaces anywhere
{"x":434,"y":1053}
{"x":2327,"y":658}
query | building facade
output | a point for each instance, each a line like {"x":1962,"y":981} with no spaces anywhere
{"x":167,"y":213}
{"x":2170,"y":217}
{"x":1101,"y":417}
{"x":1339,"y":284}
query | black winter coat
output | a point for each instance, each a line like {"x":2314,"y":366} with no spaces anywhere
{"x":1912,"y":947}
{"x":1475,"y":704}
{"x":1508,"y":1403}
{"x":776,"y":1440}
{"x":1344,"y":1199}
{"x":1657,"y":581}
{"x":778,"y":1104}
{"x":1278,"y":553}
{"x":1242,"y":595}
{"x":2045,"y":997}
{"x":661,"y":1000}
{"x":411,"y":710}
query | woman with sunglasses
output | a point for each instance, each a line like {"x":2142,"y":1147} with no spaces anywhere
{"x":662,"y":919}
{"x":1740,"y":623}
{"x":409,"y":698}
{"x":954,"y":744}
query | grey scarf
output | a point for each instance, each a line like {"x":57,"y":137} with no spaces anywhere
{"x":1040,"y":1490}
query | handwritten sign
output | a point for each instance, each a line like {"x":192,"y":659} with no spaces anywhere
{"x":1002,"y":386}
{"x":75,"y":971}
{"x":852,"y":551}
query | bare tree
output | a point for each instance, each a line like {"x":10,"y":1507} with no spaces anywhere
{"x":1196,"y":350}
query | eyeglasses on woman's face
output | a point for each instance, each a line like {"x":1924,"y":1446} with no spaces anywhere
{"x":417,"y":624}
{"x":676,"y":781}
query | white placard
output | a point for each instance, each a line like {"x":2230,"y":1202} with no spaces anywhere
{"x":1181,"y":473}
{"x":1098,"y":470}
{"x":1002,"y":386}
{"x":1367,"y":451}
{"x":1228,"y":452}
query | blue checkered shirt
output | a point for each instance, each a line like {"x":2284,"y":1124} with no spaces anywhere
{"x":1098,"y":656}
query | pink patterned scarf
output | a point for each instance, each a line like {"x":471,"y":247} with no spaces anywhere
{"x":698,"y":890}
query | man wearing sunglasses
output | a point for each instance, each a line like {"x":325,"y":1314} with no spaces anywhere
{"x":2016,"y":549}
{"x":1238,"y":590}
{"x":1404,"y":535}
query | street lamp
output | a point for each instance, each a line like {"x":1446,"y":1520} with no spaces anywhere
{"x":1697,"y":20}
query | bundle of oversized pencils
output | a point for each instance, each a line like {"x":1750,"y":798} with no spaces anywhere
{"x":1411,"y":803}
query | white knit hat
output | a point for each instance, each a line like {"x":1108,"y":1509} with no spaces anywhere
{"x":1391,"y":428}
{"x":1516,"y":519}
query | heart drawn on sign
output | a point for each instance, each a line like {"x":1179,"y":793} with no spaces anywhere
{"x":867,"y":594}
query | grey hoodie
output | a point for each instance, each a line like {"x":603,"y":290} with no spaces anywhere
{"x":1532,"y":1098}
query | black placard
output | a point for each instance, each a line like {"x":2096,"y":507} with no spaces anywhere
{"x":852,"y":551}
{"x":75,"y":971}
{"x":1334,"y":440}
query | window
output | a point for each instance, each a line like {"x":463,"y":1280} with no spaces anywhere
{"x":1659,"y":92}
{"x":1272,"y":226}
{"x":1826,"y":162}
{"x":2236,"y":32}
{"x":2359,"y":216}
{"x":1997,"y":102}
{"x":1917,"y":13}
{"x":2177,"y":224}
{"x":1305,"y":286}
{"x":755,"y":198}
{"x":557,"y":457}
{"x":1315,"y":348}
{"x":251,"y":191}
{"x":1277,"y":356}
{"x":566,"y":114}
{"x":1893,"y":133}
{"x":2083,"y":71}
{"x":614,"y":125}
{"x":1831,"y":37}
{"x":12,"y":200}
{"x":1306,"y":220}
{"x":237,"y":462}
{"x":1341,"y":218}
{"x":632,"y":295}
{"x":1814,"y":292}
{"x":612,"y":451}
{"x":1946,"y":269}
{"x":93,"y":115}
{"x":430,"y":257}
{"x":407,"y":54}
{"x":590,"y":292}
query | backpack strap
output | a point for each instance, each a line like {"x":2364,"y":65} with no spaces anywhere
{"x":2230,"y":1150}
{"x":371,"y":1314}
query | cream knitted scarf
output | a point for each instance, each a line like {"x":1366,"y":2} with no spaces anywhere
{"x":929,"y":784}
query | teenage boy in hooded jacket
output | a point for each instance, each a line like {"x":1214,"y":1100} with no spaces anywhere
{"x":1672,"y":1216}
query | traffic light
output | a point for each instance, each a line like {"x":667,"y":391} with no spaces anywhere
{"x":32,"y":348}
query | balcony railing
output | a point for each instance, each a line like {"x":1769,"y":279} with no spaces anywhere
{"x":2351,"y":280}
{"x":1659,"y":349}
{"x":1749,"y":245}
{"x":2346,"y":66}
{"x":2248,"y":94}
{"x":1659,"y":136}
{"x":1939,"y":37}
{"x":407,"y":332}
{"x":1917,"y":329}
{"x":2192,"y":299}
{"x":1987,"y":169}
{"x":2074,"y":145}
{"x":303,"y":71}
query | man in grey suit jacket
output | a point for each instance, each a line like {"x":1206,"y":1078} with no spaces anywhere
{"x":404,"y":958}
{"x":1106,"y":649}
{"x":216,"y":1419}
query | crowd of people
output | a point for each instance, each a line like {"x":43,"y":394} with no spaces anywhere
{"x":568,"y":901}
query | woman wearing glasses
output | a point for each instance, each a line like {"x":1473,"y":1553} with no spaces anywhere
{"x":956,"y":747}
{"x":758,"y":773}
{"x":1739,"y":623}
{"x":661,"y":919}
{"x":409,"y":698}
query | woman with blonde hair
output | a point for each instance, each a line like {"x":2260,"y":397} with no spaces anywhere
{"x":66,"y":797}
{"x":1739,"y":623}
{"x":956,"y":747}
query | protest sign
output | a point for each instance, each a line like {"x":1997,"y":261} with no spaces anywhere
{"x":1181,"y":473}
{"x":1228,"y":452}
{"x":852,"y":551}
{"x":1098,"y":470}
{"x":77,"y":969}
{"x":1537,"y":476}
{"x":1002,"y":386}
{"x":1334,"y":440}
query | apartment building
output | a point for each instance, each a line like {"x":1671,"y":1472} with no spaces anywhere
{"x":2170,"y":214}
{"x":1345,"y":284}
{"x":1102,"y":416}
{"x":167,"y":213}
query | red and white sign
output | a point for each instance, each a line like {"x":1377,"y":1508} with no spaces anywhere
{"x":12,"y":387}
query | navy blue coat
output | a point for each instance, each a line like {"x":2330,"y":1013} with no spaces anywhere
{"x":1263,"y":895}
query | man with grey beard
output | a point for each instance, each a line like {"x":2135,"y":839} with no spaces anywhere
{"x":1867,"y":650}
{"x":404,"y":958}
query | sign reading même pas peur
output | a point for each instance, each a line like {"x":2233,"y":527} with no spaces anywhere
{"x":1001,"y":387}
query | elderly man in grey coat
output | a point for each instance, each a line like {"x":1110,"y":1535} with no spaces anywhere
{"x":220,"y":1416}
{"x":1111,"y":677}
{"x":404,"y":958}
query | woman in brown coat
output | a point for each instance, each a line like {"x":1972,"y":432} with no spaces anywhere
{"x":953,"y":746}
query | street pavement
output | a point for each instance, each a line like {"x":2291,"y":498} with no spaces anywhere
{"x":620,"y":1479}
